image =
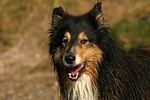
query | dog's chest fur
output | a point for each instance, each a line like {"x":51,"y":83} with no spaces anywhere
{"x":83,"y":89}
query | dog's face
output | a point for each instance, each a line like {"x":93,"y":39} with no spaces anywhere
{"x":74,"y":42}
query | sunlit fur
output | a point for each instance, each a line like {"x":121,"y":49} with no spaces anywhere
{"x":105,"y":70}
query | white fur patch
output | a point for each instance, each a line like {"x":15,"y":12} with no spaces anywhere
{"x":82,"y":89}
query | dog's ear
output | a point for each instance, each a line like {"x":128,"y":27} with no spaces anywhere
{"x":96,"y":12}
{"x":58,"y":14}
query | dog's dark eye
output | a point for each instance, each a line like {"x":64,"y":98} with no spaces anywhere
{"x":83,"y":41}
{"x":64,"y":41}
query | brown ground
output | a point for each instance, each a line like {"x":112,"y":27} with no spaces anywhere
{"x":26,"y":72}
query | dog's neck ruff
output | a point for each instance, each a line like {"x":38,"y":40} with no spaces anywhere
{"x":82,"y":89}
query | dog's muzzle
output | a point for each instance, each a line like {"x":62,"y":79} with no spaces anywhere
{"x":74,"y":64}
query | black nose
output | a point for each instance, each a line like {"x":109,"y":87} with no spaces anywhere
{"x":70,"y":58}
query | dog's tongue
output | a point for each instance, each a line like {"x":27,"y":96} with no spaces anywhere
{"x":73,"y":71}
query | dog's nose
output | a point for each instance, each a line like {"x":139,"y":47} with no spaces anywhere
{"x":70,"y":59}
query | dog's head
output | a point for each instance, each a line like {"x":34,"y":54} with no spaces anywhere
{"x":75,"y":42}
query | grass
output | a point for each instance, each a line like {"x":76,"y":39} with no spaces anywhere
{"x":15,"y":15}
{"x":12,"y":15}
{"x":131,"y":33}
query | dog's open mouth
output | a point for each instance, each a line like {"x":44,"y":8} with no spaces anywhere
{"x":75,"y":72}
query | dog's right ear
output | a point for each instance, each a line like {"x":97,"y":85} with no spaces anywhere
{"x":58,"y":14}
{"x":96,"y":13}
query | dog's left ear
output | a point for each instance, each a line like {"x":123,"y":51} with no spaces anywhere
{"x":58,"y":14}
{"x":96,"y":12}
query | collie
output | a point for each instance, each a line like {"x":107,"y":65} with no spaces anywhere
{"x":90,"y":65}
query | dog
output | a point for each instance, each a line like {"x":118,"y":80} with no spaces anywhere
{"x":91,"y":65}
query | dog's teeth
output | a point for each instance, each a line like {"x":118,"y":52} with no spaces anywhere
{"x":69,"y":74}
{"x":73,"y":76}
{"x":76,"y":76}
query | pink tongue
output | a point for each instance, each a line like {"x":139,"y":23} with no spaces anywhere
{"x":75,"y":70}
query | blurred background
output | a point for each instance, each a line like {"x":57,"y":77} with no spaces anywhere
{"x":26,"y":71}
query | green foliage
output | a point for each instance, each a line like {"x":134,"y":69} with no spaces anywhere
{"x":131,"y":33}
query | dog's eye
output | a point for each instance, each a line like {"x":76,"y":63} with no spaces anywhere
{"x":64,"y":41}
{"x":83,"y":41}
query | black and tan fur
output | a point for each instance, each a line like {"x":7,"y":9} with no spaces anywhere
{"x":90,"y":65}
